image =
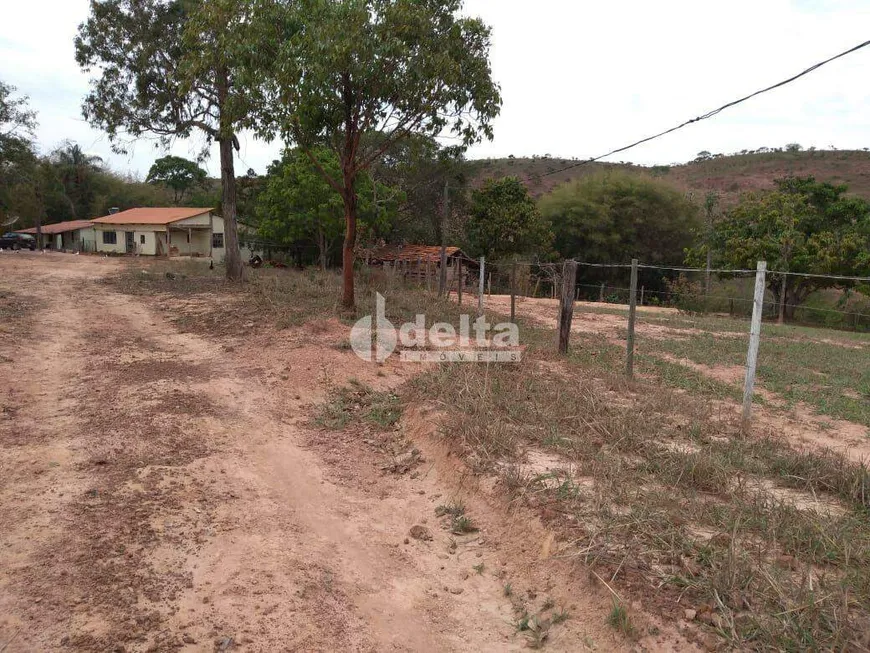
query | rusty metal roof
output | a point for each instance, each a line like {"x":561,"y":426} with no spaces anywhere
{"x":425,"y":253}
{"x":152,"y":215}
{"x":58,"y":227}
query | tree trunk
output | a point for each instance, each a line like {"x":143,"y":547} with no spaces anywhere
{"x":347,"y":252}
{"x":321,"y":245}
{"x":797,"y":294}
{"x":226,"y":139}
{"x":782,"y":300}
{"x":440,"y":228}
{"x":233,"y":255}
{"x":790,"y":298}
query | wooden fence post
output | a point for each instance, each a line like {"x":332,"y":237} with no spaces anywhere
{"x":642,"y":289}
{"x":601,"y":293}
{"x":480,"y":285}
{"x":443,"y":286}
{"x":459,"y":279}
{"x":514,"y":292}
{"x":632,"y":311}
{"x":566,"y":305}
{"x":429,"y":273}
{"x":754,"y":338}
{"x":782,"y":292}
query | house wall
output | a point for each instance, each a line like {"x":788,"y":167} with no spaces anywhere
{"x":87,"y":239}
{"x":198,"y":220}
{"x":247,"y":251}
{"x":200,"y":239}
{"x":148,"y":248}
{"x":118,"y":248}
{"x":200,"y":242}
{"x":79,"y":240}
{"x":217,"y":227}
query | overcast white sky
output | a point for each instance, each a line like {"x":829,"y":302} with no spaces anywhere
{"x":578,"y":78}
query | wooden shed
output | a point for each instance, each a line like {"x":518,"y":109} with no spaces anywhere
{"x":415,"y":262}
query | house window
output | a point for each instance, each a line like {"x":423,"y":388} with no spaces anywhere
{"x":142,"y":239}
{"x":110,"y":238}
{"x":217,"y":241}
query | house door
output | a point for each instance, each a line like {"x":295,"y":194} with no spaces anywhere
{"x":130,"y":241}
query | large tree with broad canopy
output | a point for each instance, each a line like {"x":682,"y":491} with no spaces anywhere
{"x":358,"y":76}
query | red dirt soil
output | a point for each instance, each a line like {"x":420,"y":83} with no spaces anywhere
{"x":161,"y":490}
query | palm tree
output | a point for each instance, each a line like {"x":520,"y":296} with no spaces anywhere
{"x":75,"y":169}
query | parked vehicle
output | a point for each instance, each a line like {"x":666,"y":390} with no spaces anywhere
{"x":17,"y":241}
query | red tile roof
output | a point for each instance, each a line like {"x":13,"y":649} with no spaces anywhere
{"x":59,"y":227}
{"x":425,"y":253}
{"x":152,"y":215}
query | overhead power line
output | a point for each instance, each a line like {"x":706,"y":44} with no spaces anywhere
{"x":712,"y":113}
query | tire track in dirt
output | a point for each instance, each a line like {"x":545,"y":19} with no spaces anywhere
{"x":39,"y":438}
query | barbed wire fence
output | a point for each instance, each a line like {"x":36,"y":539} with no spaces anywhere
{"x":638,"y":288}
{"x":686,"y":289}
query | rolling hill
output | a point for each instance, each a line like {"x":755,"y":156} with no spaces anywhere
{"x":729,"y":175}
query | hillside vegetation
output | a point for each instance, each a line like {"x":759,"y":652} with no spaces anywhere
{"x":730,"y":175}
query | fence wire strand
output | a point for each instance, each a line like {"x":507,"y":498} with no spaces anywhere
{"x":544,"y":275}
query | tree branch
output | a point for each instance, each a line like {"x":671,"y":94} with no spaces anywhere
{"x":335,"y":185}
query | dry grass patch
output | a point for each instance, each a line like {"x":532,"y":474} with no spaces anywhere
{"x":201,"y":300}
{"x":666,"y":502}
{"x":357,"y":402}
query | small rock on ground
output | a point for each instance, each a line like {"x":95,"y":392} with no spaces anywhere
{"x":421,"y":533}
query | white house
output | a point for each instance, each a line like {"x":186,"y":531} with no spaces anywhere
{"x":173,"y":231}
{"x":72,"y":235}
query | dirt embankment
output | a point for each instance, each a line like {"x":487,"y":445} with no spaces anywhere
{"x":164,"y":491}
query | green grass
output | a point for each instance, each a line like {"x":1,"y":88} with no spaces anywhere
{"x":833,"y":379}
{"x":619,"y":620}
{"x":460,"y":523}
{"x":560,"y":617}
{"x":676,"y":375}
{"x":826,"y":370}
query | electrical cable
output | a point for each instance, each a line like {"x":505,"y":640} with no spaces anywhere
{"x":712,"y":113}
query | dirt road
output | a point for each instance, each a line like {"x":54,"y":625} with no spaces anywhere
{"x":164,"y":491}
